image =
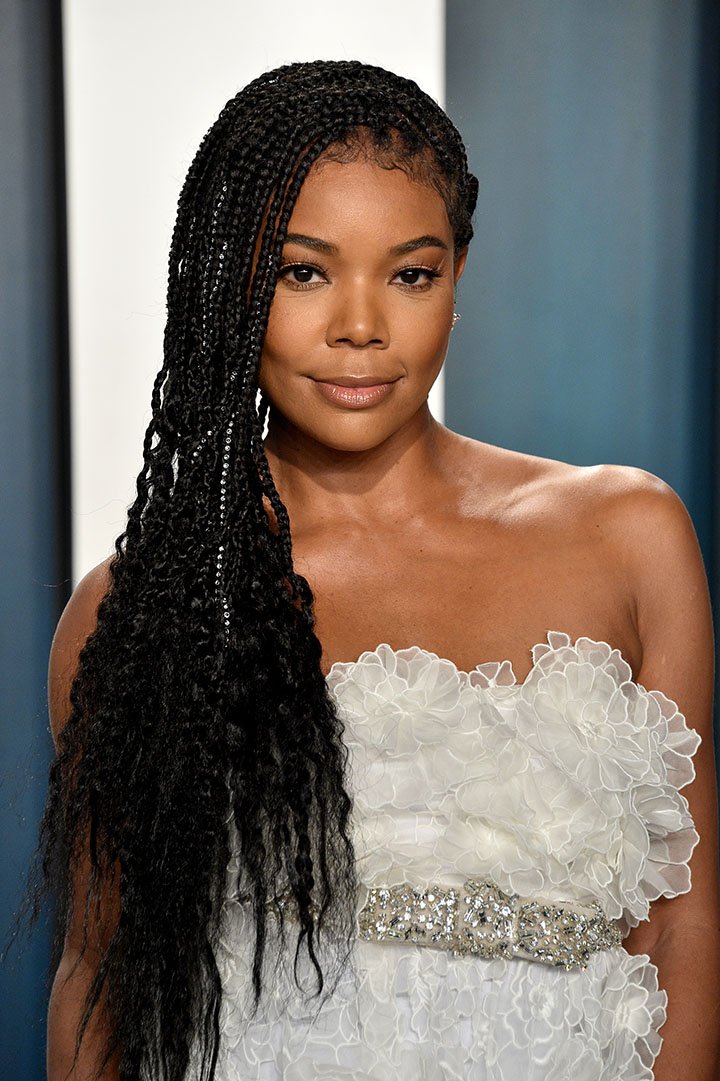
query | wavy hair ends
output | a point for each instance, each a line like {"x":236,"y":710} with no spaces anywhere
{"x":202,"y":764}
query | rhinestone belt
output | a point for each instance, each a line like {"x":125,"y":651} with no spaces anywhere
{"x":479,"y":918}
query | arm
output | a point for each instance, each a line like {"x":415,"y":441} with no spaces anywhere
{"x":70,"y":986}
{"x":74,"y":974}
{"x":658,"y":547}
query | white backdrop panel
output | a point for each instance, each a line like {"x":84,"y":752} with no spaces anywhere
{"x":145,"y":79}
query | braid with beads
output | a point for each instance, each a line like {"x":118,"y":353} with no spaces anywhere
{"x":199,"y":707}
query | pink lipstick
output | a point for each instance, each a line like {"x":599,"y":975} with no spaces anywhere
{"x":354,"y":396}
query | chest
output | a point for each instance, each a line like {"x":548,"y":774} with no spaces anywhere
{"x":469,"y":592}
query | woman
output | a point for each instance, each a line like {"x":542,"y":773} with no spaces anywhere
{"x":291,"y":838}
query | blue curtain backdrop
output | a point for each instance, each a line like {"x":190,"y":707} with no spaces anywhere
{"x":589,"y":302}
{"x":34,"y":488}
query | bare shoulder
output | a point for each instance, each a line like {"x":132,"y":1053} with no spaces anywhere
{"x":623,"y":490}
{"x":77,"y":621}
{"x":631,"y":506}
{"x":654,"y":540}
{"x":650,"y":529}
{"x":628,"y":524}
{"x":589,"y":486}
{"x":645,"y":523}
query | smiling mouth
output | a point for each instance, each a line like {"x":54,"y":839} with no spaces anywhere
{"x":357,"y":380}
{"x":355,"y":394}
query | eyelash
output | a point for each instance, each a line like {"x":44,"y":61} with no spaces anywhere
{"x":431,"y":273}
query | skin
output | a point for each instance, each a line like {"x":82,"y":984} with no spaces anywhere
{"x":470,"y":550}
{"x":475,"y":551}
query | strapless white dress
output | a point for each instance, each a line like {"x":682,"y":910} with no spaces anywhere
{"x":565,"y":787}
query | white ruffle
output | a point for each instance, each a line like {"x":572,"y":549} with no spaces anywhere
{"x":565,"y":786}
{"x":410,"y":1011}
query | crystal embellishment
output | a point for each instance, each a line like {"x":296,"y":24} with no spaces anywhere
{"x":479,"y":918}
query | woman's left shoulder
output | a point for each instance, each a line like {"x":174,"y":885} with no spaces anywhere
{"x":650,"y":530}
{"x":656,"y":550}
{"x":642,"y":517}
{"x":655,"y":547}
{"x":628,"y":492}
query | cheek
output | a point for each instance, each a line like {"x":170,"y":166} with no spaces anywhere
{"x":293,"y":335}
{"x":422,"y":342}
{"x":277,"y":335}
{"x":279,"y":352}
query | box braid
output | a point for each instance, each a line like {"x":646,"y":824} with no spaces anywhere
{"x":203,"y":757}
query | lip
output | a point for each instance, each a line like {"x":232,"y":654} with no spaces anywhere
{"x":357,"y":380}
{"x":355,"y":393}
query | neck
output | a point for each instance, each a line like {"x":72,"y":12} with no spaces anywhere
{"x":397,"y":476}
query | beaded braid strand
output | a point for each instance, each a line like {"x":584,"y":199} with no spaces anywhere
{"x":205,"y":644}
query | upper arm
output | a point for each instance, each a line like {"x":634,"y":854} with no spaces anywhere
{"x":77,"y":622}
{"x":657,"y":543}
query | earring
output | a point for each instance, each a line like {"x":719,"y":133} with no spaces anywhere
{"x":456,"y":317}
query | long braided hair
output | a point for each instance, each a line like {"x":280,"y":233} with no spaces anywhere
{"x":199,"y":698}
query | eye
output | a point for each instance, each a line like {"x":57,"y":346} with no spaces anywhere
{"x":429,"y":273}
{"x":303,"y":274}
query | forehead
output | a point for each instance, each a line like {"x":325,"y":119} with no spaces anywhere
{"x":366,"y":197}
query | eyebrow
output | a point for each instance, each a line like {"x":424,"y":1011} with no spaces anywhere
{"x":314,"y":242}
{"x":427,"y":241}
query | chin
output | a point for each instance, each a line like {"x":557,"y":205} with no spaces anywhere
{"x":366,"y":436}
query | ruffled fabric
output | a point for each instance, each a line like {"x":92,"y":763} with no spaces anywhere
{"x":565,"y":787}
{"x":407,"y":1011}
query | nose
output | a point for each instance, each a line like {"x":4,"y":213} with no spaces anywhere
{"x":358,"y":319}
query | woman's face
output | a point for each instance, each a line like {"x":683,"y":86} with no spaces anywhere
{"x":351,"y":305}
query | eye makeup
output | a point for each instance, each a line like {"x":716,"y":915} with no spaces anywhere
{"x":430,"y":272}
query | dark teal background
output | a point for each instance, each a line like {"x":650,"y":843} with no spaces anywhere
{"x":589,"y":306}
{"x":34,"y":484}
{"x":589,"y":301}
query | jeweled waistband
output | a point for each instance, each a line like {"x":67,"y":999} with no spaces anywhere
{"x":479,"y":918}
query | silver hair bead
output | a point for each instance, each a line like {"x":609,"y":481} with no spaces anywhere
{"x":221,"y":548}
{"x":219,"y":563}
{"x":201,"y":444}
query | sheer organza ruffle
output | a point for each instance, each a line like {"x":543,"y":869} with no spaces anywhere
{"x":409,"y":1011}
{"x":565,"y":786}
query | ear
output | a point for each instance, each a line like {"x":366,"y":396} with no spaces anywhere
{"x":459,"y":263}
